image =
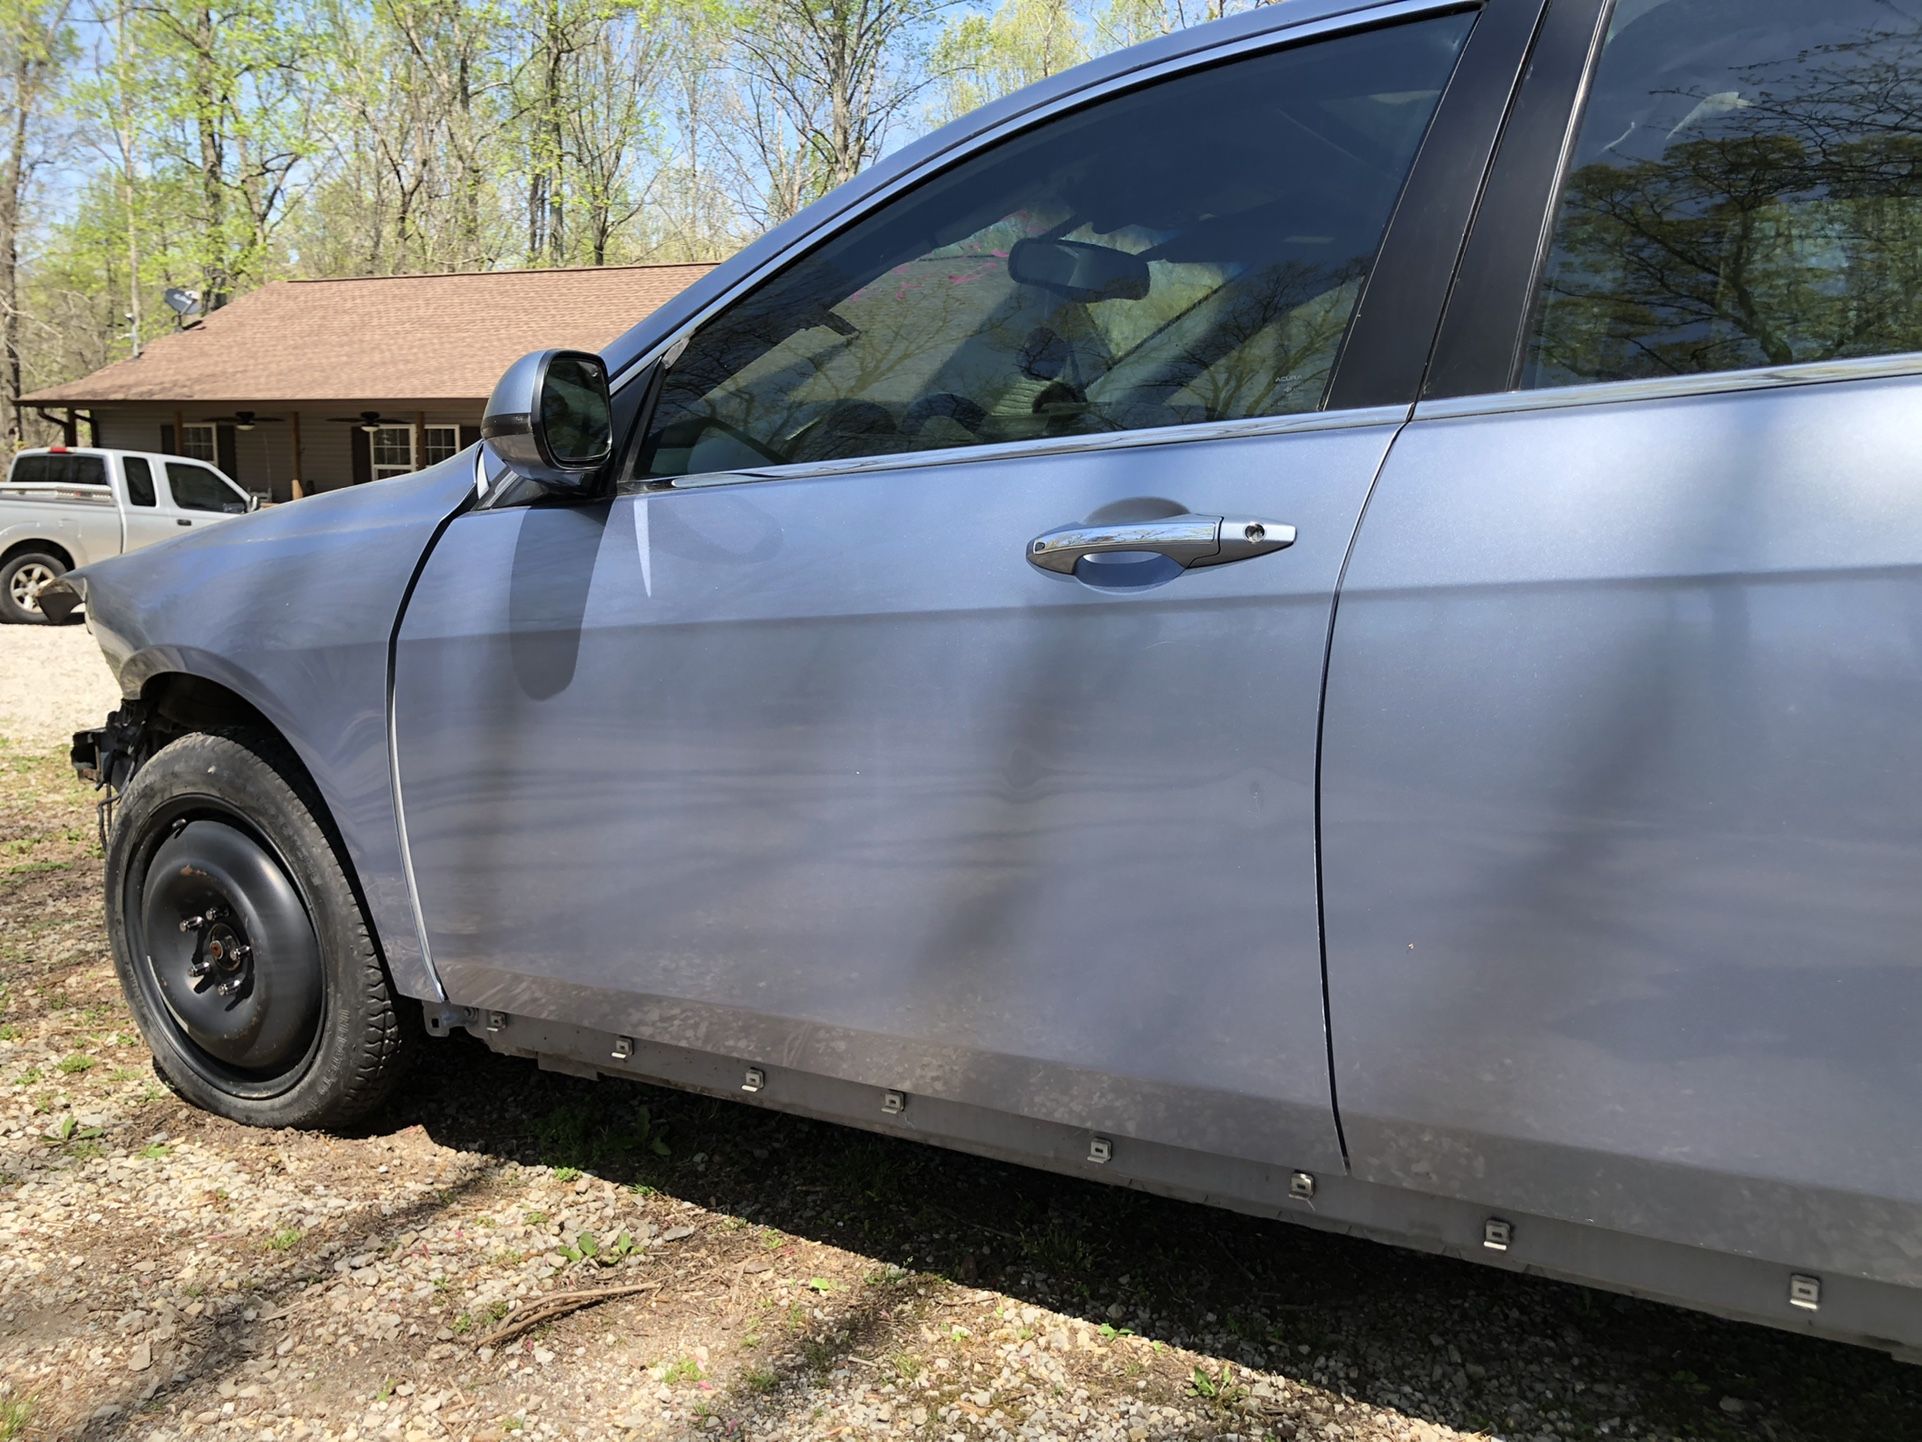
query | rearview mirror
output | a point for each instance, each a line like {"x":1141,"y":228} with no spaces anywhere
{"x":550,"y":420}
{"x":1078,"y":269}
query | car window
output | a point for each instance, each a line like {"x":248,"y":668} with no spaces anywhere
{"x":140,"y":489}
{"x":1742,"y":193}
{"x":195,"y":488}
{"x":1191,"y":251}
{"x":59,"y":470}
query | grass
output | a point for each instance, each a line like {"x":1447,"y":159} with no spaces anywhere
{"x":77,"y":1064}
{"x":285,"y":1240}
{"x":15,"y":1413}
{"x":682,"y":1369}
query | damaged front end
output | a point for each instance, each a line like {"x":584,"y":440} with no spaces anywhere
{"x":109,"y":755}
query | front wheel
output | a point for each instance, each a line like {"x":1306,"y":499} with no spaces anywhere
{"x":23,"y":577}
{"x":241,"y":947}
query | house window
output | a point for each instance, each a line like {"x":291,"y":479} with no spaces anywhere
{"x":393,"y":450}
{"x":198,"y":443}
{"x":441,"y":442}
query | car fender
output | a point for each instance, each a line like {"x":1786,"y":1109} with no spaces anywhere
{"x":293,"y":610}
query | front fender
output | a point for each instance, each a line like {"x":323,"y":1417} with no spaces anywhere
{"x":293,"y":609}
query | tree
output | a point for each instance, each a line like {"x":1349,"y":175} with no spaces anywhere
{"x":827,"y":80}
{"x":35,"y":38}
{"x":983,"y":57}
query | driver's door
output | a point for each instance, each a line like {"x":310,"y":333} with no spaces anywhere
{"x":792,"y":752}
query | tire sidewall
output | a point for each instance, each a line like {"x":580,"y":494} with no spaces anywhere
{"x":17,"y":614}
{"x":234,"y":777}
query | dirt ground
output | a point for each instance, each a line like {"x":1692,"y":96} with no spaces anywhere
{"x":166,"y":1275}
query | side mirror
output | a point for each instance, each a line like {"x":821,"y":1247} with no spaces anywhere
{"x":550,"y":420}
{"x":1078,"y":269}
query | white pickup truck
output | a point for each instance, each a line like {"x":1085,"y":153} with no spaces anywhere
{"x":65,"y":506}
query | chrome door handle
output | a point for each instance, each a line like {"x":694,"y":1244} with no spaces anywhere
{"x":1191,"y":540}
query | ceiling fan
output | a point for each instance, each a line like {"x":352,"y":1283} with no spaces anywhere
{"x":241,"y":420}
{"x":366,"y":420}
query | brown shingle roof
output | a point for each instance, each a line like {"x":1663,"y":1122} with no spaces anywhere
{"x":414,"y":337}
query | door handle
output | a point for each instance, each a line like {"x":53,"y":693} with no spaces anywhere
{"x":182,"y":521}
{"x":1191,"y":540}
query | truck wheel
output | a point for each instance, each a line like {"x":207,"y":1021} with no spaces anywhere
{"x":21,"y":578}
{"x":240,"y":943}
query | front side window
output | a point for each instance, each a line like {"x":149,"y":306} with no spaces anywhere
{"x":393,"y":450}
{"x":199,"y":443}
{"x":195,"y":488}
{"x":1191,"y":251}
{"x":1745,"y":190}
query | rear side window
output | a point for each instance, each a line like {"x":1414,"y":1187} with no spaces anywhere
{"x":1190,"y":251}
{"x":1745,"y":191}
{"x":60,"y":470}
{"x":195,"y":488}
{"x":139,"y":475}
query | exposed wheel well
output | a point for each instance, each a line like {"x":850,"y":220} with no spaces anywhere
{"x":179,"y":703}
{"x":48,"y":547}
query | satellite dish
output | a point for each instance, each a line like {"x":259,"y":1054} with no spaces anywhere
{"x":181,"y":301}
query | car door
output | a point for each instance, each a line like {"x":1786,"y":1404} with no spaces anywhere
{"x":878,"y":727}
{"x":197,"y":494}
{"x":144,"y":519}
{"x":1622,"y":772}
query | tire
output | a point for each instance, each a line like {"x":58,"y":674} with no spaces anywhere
{"x":240,"y":943}
{"x":21,"y":576}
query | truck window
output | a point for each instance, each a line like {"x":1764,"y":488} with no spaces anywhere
{"x":196,"y":488}
{"x":47,"y":469}
{"x":139,"y":474}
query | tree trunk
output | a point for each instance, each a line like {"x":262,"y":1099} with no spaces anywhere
{"x":14,"y":183}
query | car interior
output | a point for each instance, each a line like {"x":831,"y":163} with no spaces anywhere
{"x":1190,"y":252}
{"x":1702,"y":213}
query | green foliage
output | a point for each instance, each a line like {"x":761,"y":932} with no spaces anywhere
{"x":684,"y":1369}
{"x":68,"y":1131}
{"x":268,"y":139}
{"x":589,"y":1248}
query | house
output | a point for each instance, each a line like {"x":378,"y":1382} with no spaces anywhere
{"x":309,"y":385}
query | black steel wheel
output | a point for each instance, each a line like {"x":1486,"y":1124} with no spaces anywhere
{"x":240,"y":943}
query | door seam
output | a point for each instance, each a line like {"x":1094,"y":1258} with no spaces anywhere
{"x":1321,"y":723}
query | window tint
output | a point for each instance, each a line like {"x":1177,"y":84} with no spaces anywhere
{"x":139,"y":480}
{"x":1746,"y":190}
{"x":60,"y":470}
{"x":1192,"y":251}
{"x":195,"y":488}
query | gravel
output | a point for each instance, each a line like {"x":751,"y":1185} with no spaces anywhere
{"x":52,"y":682}
{"x":164,"y":1275}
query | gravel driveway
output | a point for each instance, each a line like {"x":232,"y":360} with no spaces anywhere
{"x":167,"y":1275}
